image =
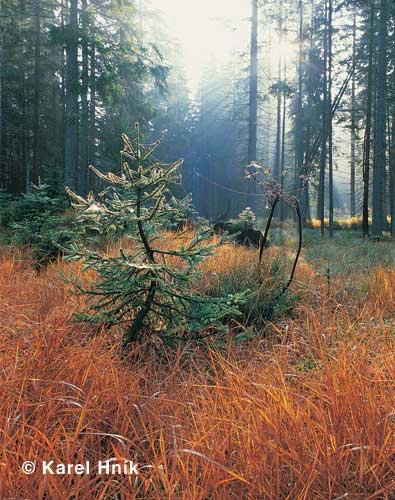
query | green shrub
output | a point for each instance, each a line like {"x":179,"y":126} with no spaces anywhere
{"x":37,"y":222}
{"x":7,"y":209}
{"x":46,"y":239}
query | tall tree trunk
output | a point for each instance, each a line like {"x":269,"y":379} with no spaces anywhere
{"x":330,"y":127}
{"x":387,"y":214}
{"x":306,"y":202}
{"x":84,"y":136}
{"x":25,"y":150}
{"x":282,"y":162}
{"x":92,"y":109}
{"x":353,"y":119}
{"x":368,"y":128}
{"x":392,"y":171}
{"x":321,"y":188}
{"x":36,"y":92}
{"x":72,"y":84}
{"x":277,"y":160}
{"x":63,"y":6}
{"x":305,"y":208}
{"x":2,"y":152}
{"x":379,"y":136}
{"x":253,"y":98}
{"x":298,"y":121}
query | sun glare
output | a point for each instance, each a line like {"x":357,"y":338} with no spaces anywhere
{"x":282,"y":49}
{"x":206,"y":30}
{"x":216,"y":30}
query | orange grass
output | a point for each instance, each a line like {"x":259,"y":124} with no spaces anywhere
{"x":343,"y":222}
{"x":307,"y":412}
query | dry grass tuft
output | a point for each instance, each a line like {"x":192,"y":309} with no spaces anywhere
{"x":305,"y":413}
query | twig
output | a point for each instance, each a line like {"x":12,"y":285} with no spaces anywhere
{"x":291,"y":277}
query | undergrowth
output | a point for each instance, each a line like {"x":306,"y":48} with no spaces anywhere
{"x":303,"y":410}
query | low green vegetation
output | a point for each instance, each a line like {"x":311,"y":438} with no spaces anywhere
{"x":38,"y":221}
{"x":148,"y":284}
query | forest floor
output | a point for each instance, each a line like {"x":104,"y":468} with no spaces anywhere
{"x":303,"y":410}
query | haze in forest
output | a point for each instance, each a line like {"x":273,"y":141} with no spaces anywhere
{"x":204,"y":31}
{"x":297,"y":86}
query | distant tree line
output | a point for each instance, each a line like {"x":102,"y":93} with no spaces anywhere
{"x":76,"y":74}
{"x":295,"y":117}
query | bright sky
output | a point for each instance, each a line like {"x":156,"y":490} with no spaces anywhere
{"x":206,"y":29}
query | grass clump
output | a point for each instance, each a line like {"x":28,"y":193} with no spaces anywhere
{"x":236,"y":269}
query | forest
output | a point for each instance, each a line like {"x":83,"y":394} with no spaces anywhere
{"x":197,"y":261}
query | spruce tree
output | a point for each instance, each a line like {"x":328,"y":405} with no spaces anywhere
{"x":37,"y":222}
{"x":149,"y":285}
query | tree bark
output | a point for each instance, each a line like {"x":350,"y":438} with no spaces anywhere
{"x":321,"y":192}
{"x":379,"y":136}
{"x":368,"y":127}
{"x":72,"y":83}
{"x":132,"y":333}
{"x":36,"y":92}
{"x":277,"y":161}
{"x":330,"y":127}
{"x":392,"y":172}
{"x":298,"y":121}
{"x":305,"y":205}
{"x":92,"y":108}
{"x":84,"y":137}
{"x":253,"y":98}
{"x":2,"y":153}
{"x":353,"y":120}
{"x":63,"y":74}
{"x":282,"y":163}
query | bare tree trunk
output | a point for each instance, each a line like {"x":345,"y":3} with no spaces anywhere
{"x":84,"y":138}
{"x":330,"y":128}
{"x":72,"y":83}
{"x":36,"y":92}
{"x":92,"y":109}
{"x":379,"y":136}
{"x":305,"y":206}
{"x":353,"y":119}
{"x":367,"y":138}
{"x":298,"y":121}
{"x":2,"y":152}
{"x":282,"y":163}
{"x":63,"y":6}
{"x":392,"y":172}
{"x":306,"y":202}
{"x":321,"y":192}
{"x":25,"y":150}
{"x":253,"y":98}
{"x":277,"y":160}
